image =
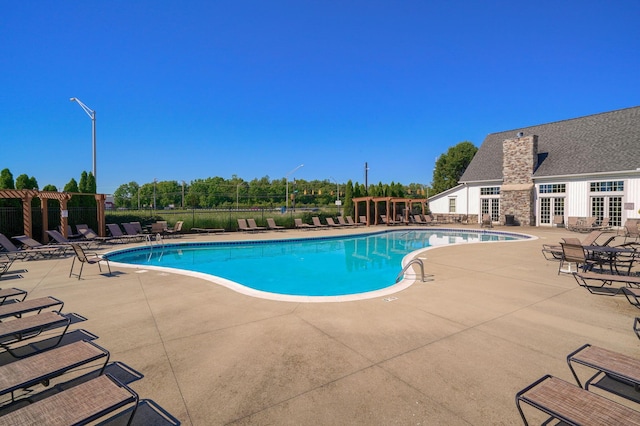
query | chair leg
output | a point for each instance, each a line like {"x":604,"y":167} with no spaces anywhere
{"x":81,"y":266}
{"x":72,"y":263}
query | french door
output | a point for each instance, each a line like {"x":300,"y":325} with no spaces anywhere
{"x":607,"y":206}
{"x":550,"y":207}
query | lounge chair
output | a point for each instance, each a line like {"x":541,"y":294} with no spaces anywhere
{"x":587,"y":278}
{"x":609,"y":366}
{"x":558,"y":221}
{"x":271,"y":224}
{"x":555,"y":250}
{"x":342,"y":222}
{"x":176,"y":230}
{"x":254,"y":226}
{"x":30,"y":306}
{"x":574,"y":254}
{"x":70,"y":233}
{"x":573,"y":405}
{"x":632,"y":295}
{"x":572,"y":223}
{"x":361,"y":220}
{"x":47,"y":365}
{"x":14,"y":293}
{"x":387,"y":220}
{"x":208,"y":230}
{"x":81,"y":404}
{"x":45,"y":250}
{"x":90,"y":235}
{"x":132,"y":231}
{"x":88,"y":258}
{"x":486,"y":221}
{"x":21,"y":330}
{"x":12,"y":252}
{"x":636,"y":326}
{"x":301,"y":225}
{"x":631,"y":229}
{"x":116,"y":234}
{"x":5,"y":264}
{"x":244,"y":226}
{"x":317,"y":223}
{"x":61,"y":240}
{"x":331,"y":223}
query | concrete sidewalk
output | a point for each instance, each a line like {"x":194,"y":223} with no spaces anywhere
{"x":452,"y":351}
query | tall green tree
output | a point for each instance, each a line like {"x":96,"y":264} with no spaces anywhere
{"x":25,"y":182}
{"x":6,"y":179}
{"x":126,"y":195}
{"x":450,"y":166}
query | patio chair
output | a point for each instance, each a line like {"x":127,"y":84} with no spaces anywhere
{"x":586,"y":225}
{"x":631,"y":229}
{"x":271,"y":224}
{"x":254,"y":226}
{"x":361,"y":220}
{"x":44,"y":366}
{"x":301,"y":225}
{"x":89,"y":401}
{"x":573,"y":254}
{"x":558,"y":221}
{"x":29,"y":306}
{"x":387,"y":220}
{"x":116,"y":234}
{"x":12,"y":252}
{"x":571,"y":404}
{"x":132,"y":231}
{"x":176,"y":230}
{"x":244,"y":226}
{"x":317,"y":223}
{"x":61,"y":240}
{"x":19,"y":333}
{"x":34,"y":247}
{"x":486,"y":221}
{"x":331,"y":223}
{"x":70,"y":233}
{"x":572,"y":223}
{"x":90,"y":235}
{"x":14,"y":293}
{"x":614,"y":372}
{"x":585,"y":278}
{"x":342,"y":222}
{"x":89,"y":258}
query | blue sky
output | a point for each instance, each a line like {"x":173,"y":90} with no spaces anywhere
{"x":192,"y":89}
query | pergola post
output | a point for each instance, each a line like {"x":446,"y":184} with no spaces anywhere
{"x":26,"y":214}
{"x":45,"y":218}
{"x":64,"y":217}
{"x":100,"y":201}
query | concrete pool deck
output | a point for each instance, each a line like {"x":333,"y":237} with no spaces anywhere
{"x":454,"y":350}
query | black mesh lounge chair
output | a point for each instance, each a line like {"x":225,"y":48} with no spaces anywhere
{"x":44,"y":366}
{"x":117,"y":234}
{"x":19,"y":333}
{"x":132,"y":231}
{"x":610,"y":367}
{"x":27,"y":253}
{"x":90,"y":235}
{"x":573,"y":405}
{"x":61,"y":240}
{"x":30,"y":306}
{"x":87,"y":402}
{"x":89,"y":258}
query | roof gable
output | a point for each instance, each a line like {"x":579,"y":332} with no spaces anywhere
{"x":605,"y":142}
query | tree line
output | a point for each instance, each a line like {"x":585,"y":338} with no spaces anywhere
{"x":217,"y":192}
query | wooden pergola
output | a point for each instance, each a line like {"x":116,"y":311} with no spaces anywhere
{"x":390,"y":207}
{"x":26,"y":195}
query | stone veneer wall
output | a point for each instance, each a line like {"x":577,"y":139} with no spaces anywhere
{"x":517,"y":194}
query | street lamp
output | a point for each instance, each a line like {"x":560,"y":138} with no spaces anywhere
{"x":92,"y":114}
{"x":155,"y":181}
{"x":337,"y":193}
{"x":287,"y":185}
{"x":238,"y":195}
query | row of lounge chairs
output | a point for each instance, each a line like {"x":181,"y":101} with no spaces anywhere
{"x":587,"y":224}
{"x":317,"y":224}
{"x":566,"y":403}
{"x":31,"y":334}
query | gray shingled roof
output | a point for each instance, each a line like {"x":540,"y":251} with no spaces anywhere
{"x":596,"y":143}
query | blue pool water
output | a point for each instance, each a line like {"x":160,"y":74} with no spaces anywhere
{"x":327,"y":266}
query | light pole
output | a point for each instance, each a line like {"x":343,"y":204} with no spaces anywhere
{"x":287,"y":185}
{"x":337,"y":193}
{"x":238,"y":195}
{"x":155,"y":181}
{"x":92,"y":114}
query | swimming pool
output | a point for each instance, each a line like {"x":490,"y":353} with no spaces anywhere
{"x":310,"y":269}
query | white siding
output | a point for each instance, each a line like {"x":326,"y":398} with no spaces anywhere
{"x":632,"y":195}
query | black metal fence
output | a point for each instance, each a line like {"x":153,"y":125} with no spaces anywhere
{"x":11,"y":221}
